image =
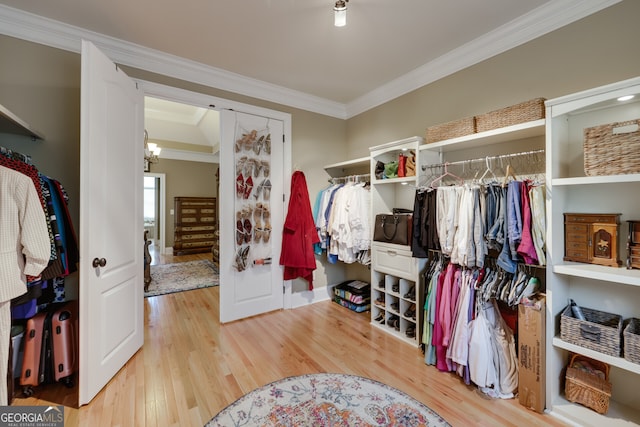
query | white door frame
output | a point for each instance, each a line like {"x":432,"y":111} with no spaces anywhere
{"x":170,"y":93}
{"x":163,"y":204}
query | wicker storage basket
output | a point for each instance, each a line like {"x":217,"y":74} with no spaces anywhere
{"x":588,"y":389}
{"x":453,"y":129}
{"x":520,"y":113}
{"x":600,"y":331}
{"x":631,"y":336}
{"x":612,"y":149}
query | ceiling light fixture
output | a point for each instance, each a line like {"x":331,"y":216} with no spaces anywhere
{"x":151,"y":150}
{"x":340,"y":13}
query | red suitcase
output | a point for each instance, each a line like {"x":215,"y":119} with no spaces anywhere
{"x":50,"y":347}
{"x":33,"y":370}
{"x":64,"y":334}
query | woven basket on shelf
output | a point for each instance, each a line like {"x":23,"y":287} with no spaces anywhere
{"x":588,"y":389}
{"x":520,"y":113}
{"x":453,"y":129}
{"x":612,"y":149}
{"x":632,"y":341}
{"x":600,"y":331}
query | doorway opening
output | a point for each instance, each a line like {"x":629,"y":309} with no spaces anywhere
{"x":238,"y":118}
{"x":188,"y":136}
{"x":154,"y":205}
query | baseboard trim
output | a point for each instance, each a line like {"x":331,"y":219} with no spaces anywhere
{"x":301,"y":299}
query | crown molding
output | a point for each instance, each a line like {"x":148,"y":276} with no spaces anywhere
{"x":38,"y":29}
{"x":191,"y":156}
{"x":549,"y":17}
{"x":538,"y":22}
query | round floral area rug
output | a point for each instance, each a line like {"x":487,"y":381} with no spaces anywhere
{"x":322,"y":400}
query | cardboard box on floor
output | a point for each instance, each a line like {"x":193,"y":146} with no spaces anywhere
{"x":531,"y":353}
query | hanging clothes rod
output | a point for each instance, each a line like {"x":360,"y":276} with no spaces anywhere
{"x":483,"y":159}
{"x":354,"y":178}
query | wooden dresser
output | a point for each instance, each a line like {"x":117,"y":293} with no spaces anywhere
{"x":592,"y":238}
{"x":196,"y":222}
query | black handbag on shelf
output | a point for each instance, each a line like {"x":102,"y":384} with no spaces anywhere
{"x":393,"y":228}
{"x":379,"y":169}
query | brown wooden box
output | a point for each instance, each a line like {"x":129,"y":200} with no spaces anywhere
{"x":592,"y":238}
{"x":633,"y":244}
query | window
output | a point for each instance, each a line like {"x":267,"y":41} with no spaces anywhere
{"x":150,"y":194}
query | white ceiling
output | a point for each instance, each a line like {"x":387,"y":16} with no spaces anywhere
{"x":387,"y":48}
{"x":172,"y":121}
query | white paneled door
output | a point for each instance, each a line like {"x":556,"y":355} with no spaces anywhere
{"x":111,"y":221}
{"x":252,"y":188}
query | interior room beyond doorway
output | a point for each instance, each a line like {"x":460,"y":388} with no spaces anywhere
{"x":186,"y":134}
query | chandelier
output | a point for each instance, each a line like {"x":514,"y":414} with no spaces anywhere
{"x":151,"y":149}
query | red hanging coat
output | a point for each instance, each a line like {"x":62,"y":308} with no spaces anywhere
{"x":299,"y":234}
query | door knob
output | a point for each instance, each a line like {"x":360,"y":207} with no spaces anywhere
{"x":99,"y":262}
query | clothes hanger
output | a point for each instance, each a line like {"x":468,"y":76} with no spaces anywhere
{"x":488,"y":170}
{"x":539,"y":176}
{"x":509,"y":172}
{"x":446,"y":174}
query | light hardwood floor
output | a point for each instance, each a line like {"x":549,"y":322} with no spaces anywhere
{"x":191,"y":367}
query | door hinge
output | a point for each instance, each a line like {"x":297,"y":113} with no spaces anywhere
{"x":283,"y":138}
{"x":284,"y":199}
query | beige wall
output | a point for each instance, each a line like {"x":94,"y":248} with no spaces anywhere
{"x":41,"y":85}
{"x":317,"y":140}
{"x":597,"y":50}
{"x":184,"y":179}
